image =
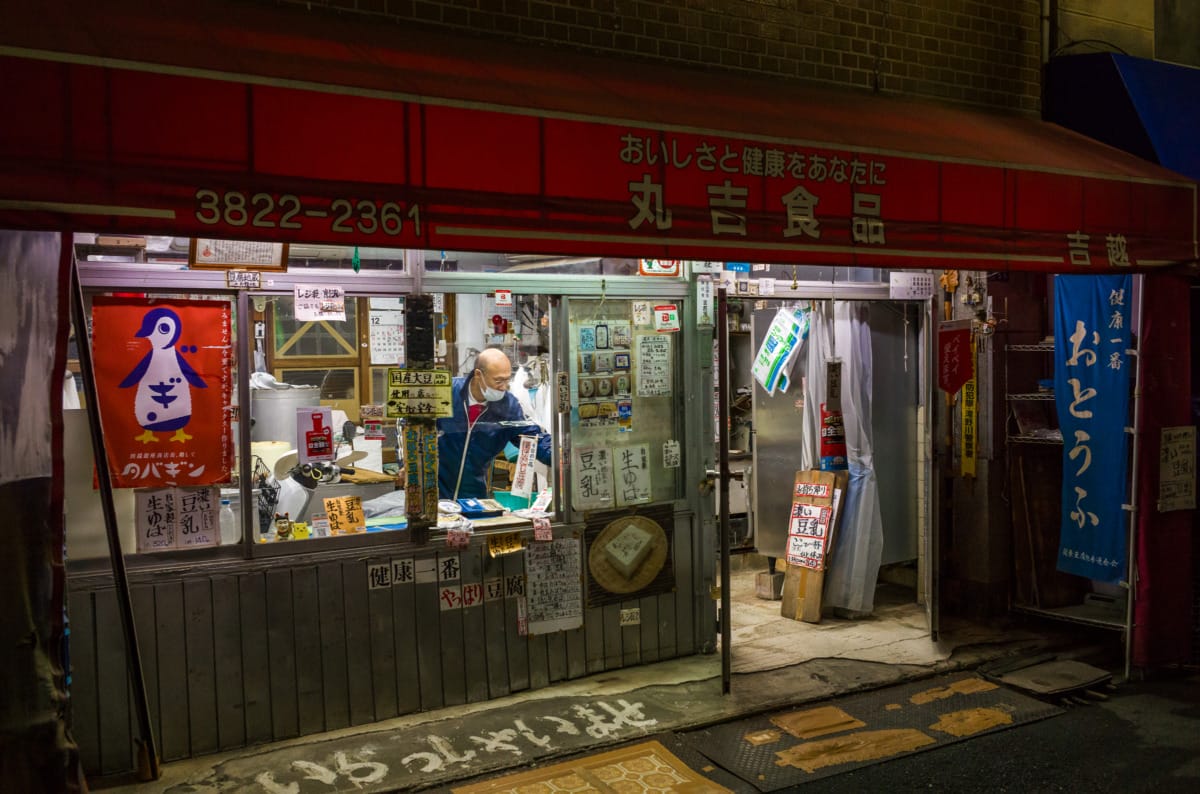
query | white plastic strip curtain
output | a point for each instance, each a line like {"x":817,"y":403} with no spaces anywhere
{"x":839,"y":329}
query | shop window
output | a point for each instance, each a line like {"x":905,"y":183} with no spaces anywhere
{"x":295,"y":339}
{"x":527,"y":264}
{"x":166,"y":378}
{"x":520,"y":330}
{"x":337,"y":386}
{"x":626,"y":406}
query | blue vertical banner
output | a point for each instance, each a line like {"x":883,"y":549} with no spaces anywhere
{"x":1092,"y":380}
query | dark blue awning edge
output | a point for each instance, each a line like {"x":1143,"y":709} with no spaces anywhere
{"x":1148,"y":108}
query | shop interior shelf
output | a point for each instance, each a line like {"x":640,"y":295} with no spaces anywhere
{"x":1087,"y":614}
{"x":1025,"y":439}
{"x":1036,"y":395}
{"x":1041,"y":347}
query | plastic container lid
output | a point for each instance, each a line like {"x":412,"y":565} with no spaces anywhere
{"x":226,"y":502}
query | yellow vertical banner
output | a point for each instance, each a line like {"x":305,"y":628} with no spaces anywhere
{"x":969,"y":420}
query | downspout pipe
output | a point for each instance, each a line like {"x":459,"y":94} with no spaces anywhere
{"x":1049,"y":32}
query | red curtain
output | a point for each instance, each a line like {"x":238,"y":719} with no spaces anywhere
{"x":1163,"y":607}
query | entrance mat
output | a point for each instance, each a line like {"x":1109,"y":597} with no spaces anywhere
{"x":645,"y":766}
{"x":789,"y":748}
{"x":1057,"y":677}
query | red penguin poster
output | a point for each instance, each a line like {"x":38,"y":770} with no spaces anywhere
{"x":164,"y":382}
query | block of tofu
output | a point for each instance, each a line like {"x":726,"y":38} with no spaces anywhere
{"x":629,"y":549}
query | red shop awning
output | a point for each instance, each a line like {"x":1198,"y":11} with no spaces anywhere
{"x":224,"y":120}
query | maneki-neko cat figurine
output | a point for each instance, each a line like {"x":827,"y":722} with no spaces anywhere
{"x":283,"y":527}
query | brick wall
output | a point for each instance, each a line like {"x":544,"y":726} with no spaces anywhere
{"x":965,"y":51}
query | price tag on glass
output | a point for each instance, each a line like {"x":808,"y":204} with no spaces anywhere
{"x":542,"y":530}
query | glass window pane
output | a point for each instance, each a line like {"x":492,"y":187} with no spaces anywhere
{"x":625,"y":404}
{"x":521,"y":331}
{"x":299,"y":339}
{"x":469,"y":262}
{"x":338,"y":385}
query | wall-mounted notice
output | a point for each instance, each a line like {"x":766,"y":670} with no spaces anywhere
{"x":554,"y":586}
{"x":653,"y":365}
{"x":671,"y":454}
{"x":632,"y":466}
{"x":418,"y":393}
{"x":504,"y":543}
{"x":807,"y":534}
{"x":387,"y":332}
{"x":345,"y":514}
{"x":660,"y":267}
{"x":205,"y":252}
{"x":155,"y":512}
{"x":593,"y":478}
{"x":643,"y":314}
{"x":449,"y":578}
{"x":316,"y":302}
{"x":705,"y":308}
{"x":426,"y":570}
{"x":379,"y":575}
{"x":1177,"y":469}
{"x":243,"y":279}
{"x":666,"y":318}
{"x":176,"y":518}
{"x":197,"y":518}
{"x":404,"y":570}
{"x":811,"y":519}
{"x":390,"y":573}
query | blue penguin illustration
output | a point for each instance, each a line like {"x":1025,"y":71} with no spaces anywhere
{"x":163,"y":400}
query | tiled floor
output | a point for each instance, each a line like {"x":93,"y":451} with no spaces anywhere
{"x":897,"y":632}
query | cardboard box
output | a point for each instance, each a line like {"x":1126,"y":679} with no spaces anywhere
{"x":801,"y":596}
{"x":803,"y":585}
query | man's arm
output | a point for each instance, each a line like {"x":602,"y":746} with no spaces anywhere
{"x":543,"y":447}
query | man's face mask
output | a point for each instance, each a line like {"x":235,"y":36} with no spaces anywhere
{"x":489,"y":394}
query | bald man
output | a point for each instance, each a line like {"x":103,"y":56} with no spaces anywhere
{"x":486,"y":418}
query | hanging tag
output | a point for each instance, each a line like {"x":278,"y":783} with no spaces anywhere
{"x":522,"y":617}
{"x":522,"y":482}
{"x":833,"y":384}
{"x":969,"y":440}
{"x":543,"y":500}
{"x":704,"y":302}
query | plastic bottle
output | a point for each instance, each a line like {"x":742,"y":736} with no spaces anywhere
{"x":230,"y":531}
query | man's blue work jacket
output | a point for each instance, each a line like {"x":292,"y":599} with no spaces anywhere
{"x":465,"y":453}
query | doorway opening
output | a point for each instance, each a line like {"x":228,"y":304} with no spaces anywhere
{"x":882,"y":610}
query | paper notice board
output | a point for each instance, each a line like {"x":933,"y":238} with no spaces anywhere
{"x":816,"y":496}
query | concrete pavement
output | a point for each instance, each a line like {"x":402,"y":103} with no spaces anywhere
{"x":800,"y":664}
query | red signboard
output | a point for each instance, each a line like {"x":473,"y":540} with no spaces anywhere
{"x":219,"y":158}
{"x":164,"y":383}
{"x":955,"y":364}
